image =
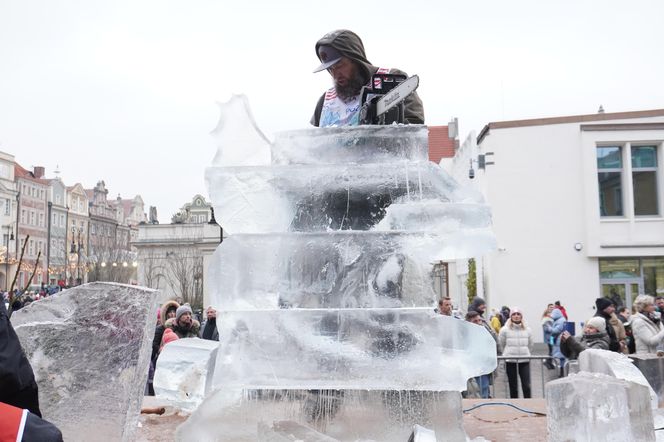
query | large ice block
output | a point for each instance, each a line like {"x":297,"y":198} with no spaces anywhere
{"x":617,"y":365}
{"x":596,"y":407}
{"x":184,"y":369}
{"x":352,"y":144}
{"x":324,"y":197}
{"x":338,"y":269}
{"x":90,"y":349}
{"x":414,"y":349}
{"x":345,"y":415}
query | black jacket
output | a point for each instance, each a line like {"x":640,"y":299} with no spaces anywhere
{"x":350,"y":45}
{"x":17,"y":381}
{"x":614,"y":345}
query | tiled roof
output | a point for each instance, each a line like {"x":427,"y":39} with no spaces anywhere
{"x":440,"y":143}
{"x":20,"y":172}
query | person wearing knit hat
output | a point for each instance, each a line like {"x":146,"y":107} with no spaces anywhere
{"x":599,"y":324}
{"x":594,"y":336}
{"x":169,"y":336}
{"x":184,"y":325}
{"x":516,"y":341}
{"x":182,"y":310}
{"x":614,"y":328}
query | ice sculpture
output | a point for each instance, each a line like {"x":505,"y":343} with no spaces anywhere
{"x":617,"y":365}
{"x":90,"y":349}
{"x":183,"y":371}
{"x":596,"y":407}
{"x":326,"y":291}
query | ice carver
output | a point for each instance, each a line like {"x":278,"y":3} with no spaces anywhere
{"x":341,"y":53}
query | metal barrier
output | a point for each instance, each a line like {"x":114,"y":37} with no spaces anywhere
{"x":540,"y":374}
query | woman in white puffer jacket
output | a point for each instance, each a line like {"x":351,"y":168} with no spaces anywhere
{"x":646,"y":325}
{"x":516,"y":340}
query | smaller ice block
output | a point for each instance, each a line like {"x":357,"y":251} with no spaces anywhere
{"x":352,"y":144}
{"x":617,"y":365}
{"x":90,"y":350}
{"x":350,"y":348}
{"x":184,"y":368}
{"x":596,"y":407}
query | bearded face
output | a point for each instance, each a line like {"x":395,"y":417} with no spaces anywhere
{"x":185,"y":322}
{"x":347,"y":79}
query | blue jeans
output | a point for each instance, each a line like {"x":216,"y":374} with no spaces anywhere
{"x":483,"y":383}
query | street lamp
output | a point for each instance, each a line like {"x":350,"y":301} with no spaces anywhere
{"x":10,"y":237}
{"x":77,"y":248}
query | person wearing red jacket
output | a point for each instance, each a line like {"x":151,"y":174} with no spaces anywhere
{"x":562,"y":310}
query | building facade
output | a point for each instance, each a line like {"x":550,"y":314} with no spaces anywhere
{"x":578,"y":210}
{"x":78,"y":234}
{"x":57,"y":250}
{"x":8,"y":219}
{"x":174,"y":258}
{"x":32,"y":225}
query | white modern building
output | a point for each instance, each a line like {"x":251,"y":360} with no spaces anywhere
{"x":578,"y":210}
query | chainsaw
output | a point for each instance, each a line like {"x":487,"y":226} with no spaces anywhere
{"x":383,"y":102}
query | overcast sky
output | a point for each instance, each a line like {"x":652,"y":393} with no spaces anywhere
{"x":125,"y":91}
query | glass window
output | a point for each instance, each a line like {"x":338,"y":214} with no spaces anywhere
{"x":619,"y":268}
{"x":8,"y":207}
{"x":653,"y":276}
{"x":644,"y":180}
{"x":609,"y":174}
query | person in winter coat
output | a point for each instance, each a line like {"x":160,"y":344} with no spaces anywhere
{"x":342,"y":54}
{"x":496,"y":321}
{"x":646,"y":325}
{"x":478,"y":305}
{"x":184,"y":325}
{"x":516,"y":340}
{"x":606,"y":310}
{"x":209,"y":327}
{"x":547,"y":326}
{"x":556,"y":330}
{"x":168,"y":310}
{"x":169,"y":336}
{"x":594,"y":336}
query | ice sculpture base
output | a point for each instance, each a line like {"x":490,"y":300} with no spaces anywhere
{"x":347,"y":415}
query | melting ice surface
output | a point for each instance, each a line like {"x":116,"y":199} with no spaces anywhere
{"x":325,"y":282}
{"x":90,"y":349}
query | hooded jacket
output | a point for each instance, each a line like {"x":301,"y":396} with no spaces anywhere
{"x":350,"y":46}
{"x":159,"y":330}
{"x":556,"y":330}
{"x":474,"y":307}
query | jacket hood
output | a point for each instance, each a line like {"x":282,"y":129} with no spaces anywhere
{"x":350,"y":45}
{"x":164,"y":308}
{"x":477,"y":301}
{"x":556,"y":314}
